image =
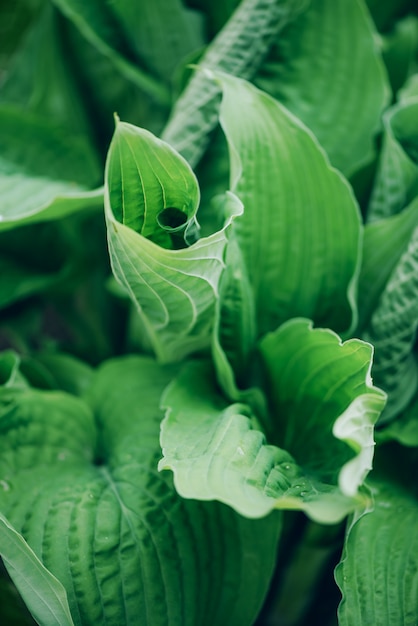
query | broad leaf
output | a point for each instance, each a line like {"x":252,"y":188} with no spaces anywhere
{"x":399,"y":49}
{"x":378,"y":575}
{"x":239,"y":48}
{"x":392,"y":330}
{"x":102,"y":28}
{"x":133,"y":551}
{"x":300,"y":242}
{"x":384,"y":243}
{"x":321,"y":392}
{"x":43,"y":593}
{"x":175,"y":290}
{"x":397,"y":175}
{"x":324,"y":84}
{"x":45,"y":172}
{"x":39,"y":79}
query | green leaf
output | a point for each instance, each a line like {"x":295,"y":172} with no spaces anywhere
{"x":392,"y":330}
{"x":300,"y":242}
{"x":399,"y":48}
{"x":405,"y":428}
{"x":160,"y":32}
{"x":321,"y":392}
{"x":42,"y":592}
{"x":45,"y":172}
{"x":384,"y":243}
{"x":100,"y":26}
{"x":397,"y":174}
{"x":85,"y":493}
{"x":40,"y":80}
{"x":239,"y":48}
{"x":378,"y":573}
{"x":152,"y":190}
{"x":175,"y":290}
{"x":323,"y":84}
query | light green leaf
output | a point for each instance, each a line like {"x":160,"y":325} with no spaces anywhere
{"x":42,"y":592}
{"x":378,"y":575}
{"x":152,"y":190}
{"x":300,"y":242}
{"x":239,"y":48}
{"x":397,"y":174}
{"x":175,"y":290}
{"x":384,"y":243}
{"x":392,"y":331}
{"x":45,"y":172}
{"x":323,"y":84}
{"x":133,"y":551}
{"x":322,"y":394}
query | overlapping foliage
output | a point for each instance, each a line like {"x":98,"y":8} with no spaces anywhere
{"x":209,"y":304}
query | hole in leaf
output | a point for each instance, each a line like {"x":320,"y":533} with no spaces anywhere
{"x":172,"y":218}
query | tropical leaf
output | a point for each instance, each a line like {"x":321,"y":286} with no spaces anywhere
{"x":175,"y":290}
{"x":239,"y":48}
{"x":133,"y":551}
{"x":323,"y":84}
{"x":397,"y":174}
{"x":300,"y":242}
{"x":392,"y":331}
{"x":219,"y":451}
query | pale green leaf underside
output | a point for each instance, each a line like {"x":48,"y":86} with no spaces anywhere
{"x":238,"y":49}
{"x":42,"y":592}
{"x":218,"y":451}
{"x":323,"y":83}
{"x":397,"y":175}
{"x":392,"y":330}
{"x":378,"y":575}
{"x":300,"y":232}
{"x":112,"y":529}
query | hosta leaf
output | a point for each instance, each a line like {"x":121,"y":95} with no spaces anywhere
{"x":392,"y":331}
{"x":175,"y":290}
{"x":399,"y":50}
{"x":85,"y":494}
{"x":43,"y":593}
{"x":384,"y":243}
{"x":397,"y":175}
{"x":99,"y":24}
{"x":405,"y":428}
{"x":39,"y":79}
{"x":378,"y":573}
{"x":238,"y":49}
{"x":45,"y":173}
{"x":321,"y":394}
{"x":299,"y":72}
{"x":300,"y":242}
{"x":160,"y":32}
{"x":151,"y":188}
